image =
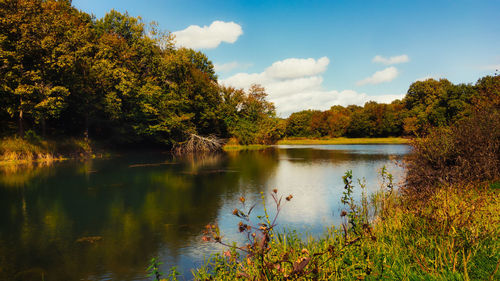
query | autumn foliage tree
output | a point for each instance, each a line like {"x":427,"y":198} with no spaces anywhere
{"x":115,"y":78}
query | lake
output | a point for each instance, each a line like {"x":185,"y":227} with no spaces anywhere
{"x":104,"y":219}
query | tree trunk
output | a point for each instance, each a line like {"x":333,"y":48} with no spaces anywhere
{"x":21,"y":121}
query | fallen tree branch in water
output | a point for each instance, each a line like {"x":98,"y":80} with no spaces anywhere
{"x":197,"y":143}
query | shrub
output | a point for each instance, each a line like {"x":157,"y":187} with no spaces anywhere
{"x":466,"y":152}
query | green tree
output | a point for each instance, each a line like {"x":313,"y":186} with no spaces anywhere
{"x":37,"y":51}
{"x":249,"y":117}
{"x":299,"y":124}
{"x":423,"y":101}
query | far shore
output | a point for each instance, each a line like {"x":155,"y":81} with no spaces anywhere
{"x":319,"y":141}
{"x":312,"y":141}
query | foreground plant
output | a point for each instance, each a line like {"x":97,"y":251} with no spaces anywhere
{"x":156,"y":274}
{"x":272,"y":255}
{"x":453,"y":235}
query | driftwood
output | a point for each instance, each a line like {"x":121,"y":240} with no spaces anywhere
{"x":149,"y":165}
{"x":197,"y":144}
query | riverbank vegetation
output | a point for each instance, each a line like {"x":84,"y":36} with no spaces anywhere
{"x":451,"y":237}
{"x":341,"y":140}
{"x":24,"y":150}
{"x":441,"y":223}
{"x":68,"y":75}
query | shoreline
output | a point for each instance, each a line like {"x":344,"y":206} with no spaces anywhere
{"x":17,"y":151}
{"x":324,"y":141}
{"x":24,"y":152}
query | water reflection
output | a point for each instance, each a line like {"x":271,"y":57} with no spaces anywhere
{"x":313,"y":175}
{"x":102,"y":219}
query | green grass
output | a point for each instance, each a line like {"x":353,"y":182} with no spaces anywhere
{"x":451,"y":236}
{"x":20,"y":151}
{"x":309,"y":141}
{"x":312,"y":141}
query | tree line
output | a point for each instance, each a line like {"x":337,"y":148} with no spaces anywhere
{"x":428,"y":104}
{"x":64,"y":73}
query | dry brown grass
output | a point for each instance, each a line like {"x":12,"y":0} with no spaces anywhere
{"x":22,"y":151}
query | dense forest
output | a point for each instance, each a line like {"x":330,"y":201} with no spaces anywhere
{"x":65,"y":73}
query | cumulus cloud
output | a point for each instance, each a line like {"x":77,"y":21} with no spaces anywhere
{"x":294,"y":68}
{"x":385,"y":75}
{"x":391,"y":60}
{"x":208,"y":37}
{"x":323,"y":100}
{"x":226,"y":67}
{"x":299,"y":86}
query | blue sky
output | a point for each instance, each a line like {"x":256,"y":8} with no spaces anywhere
{"x":313,"y":54}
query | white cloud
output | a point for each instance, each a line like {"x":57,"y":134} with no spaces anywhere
{"x":323,"y":100}
{"x":385,"y":75}
{"x":277,"y":87}
{"x":226,"y":67}
{"x":244,"y":80}
{"x":208,"y":37}
{"x":300,"y":86}
{"x":391,"y":60}
{"x":285,"y":88}
{"x":294,"y":68}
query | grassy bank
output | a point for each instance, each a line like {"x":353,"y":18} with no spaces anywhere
{"x":20,"y":151}
{"x":309,"y":141}
{"x":234,"y":146}
{"x":454,"y":236}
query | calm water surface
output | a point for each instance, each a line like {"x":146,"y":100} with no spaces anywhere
{"x":104,"y":219}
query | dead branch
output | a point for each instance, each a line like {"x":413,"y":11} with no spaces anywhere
{"x":197,"y":143}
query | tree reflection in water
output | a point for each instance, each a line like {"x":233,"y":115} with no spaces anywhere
{"x":132,"y":213}
{"x":106,"y":218}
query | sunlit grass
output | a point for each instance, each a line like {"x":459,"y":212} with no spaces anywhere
{"x":15,"y":151}
{"x":451,"y":236}
{"x":311,"y":141}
